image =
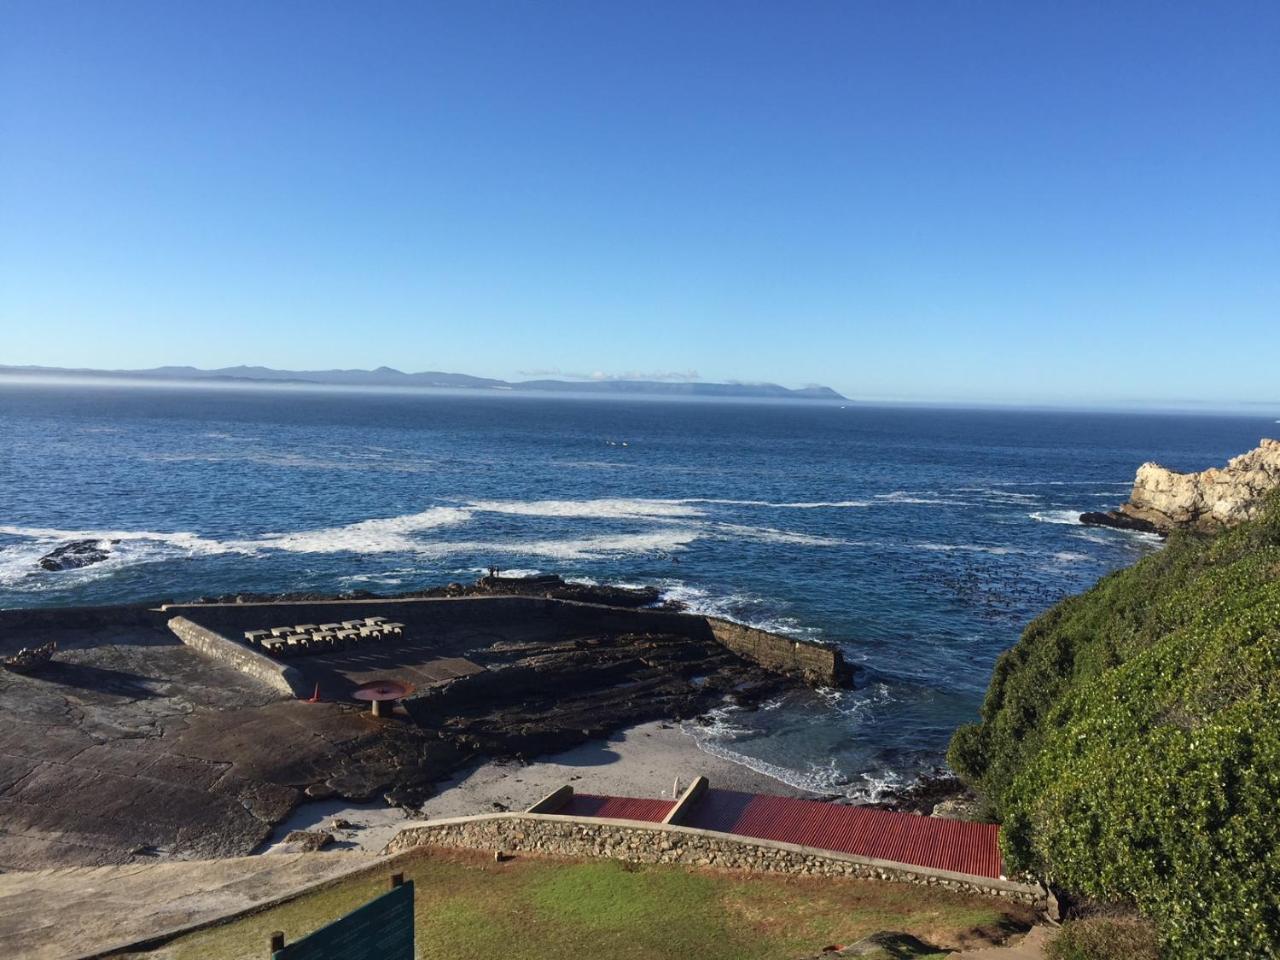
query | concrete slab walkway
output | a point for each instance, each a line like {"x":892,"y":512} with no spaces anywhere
{"x":75,"y":912}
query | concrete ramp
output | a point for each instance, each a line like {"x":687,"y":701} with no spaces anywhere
{"x":77,"y":912}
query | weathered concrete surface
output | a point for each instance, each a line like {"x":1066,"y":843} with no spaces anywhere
{"x":129,"y":746}
{"x":77,"y":912}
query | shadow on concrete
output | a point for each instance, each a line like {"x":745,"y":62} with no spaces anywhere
{"x":117,"y":683}
{"x":589,"y":755}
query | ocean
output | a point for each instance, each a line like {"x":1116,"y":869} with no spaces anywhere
{"x":920,"y":540}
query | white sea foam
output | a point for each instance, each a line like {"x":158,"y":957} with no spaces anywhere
{"x":1068,"y":517}
{"x":191,"y":543}
{"x":737,"y":531}
{"x":381,"y":579}
{"x":608,"y":509}
{"x":970,"y":548}
{"x":662,"y":542}
{"x":906,"y":496}
{"x":20,"y":569}
{"x":1092,"y":536}
{"x":754,"y":611}
{"x":1063,"y":483}
{"x":680,"y":523}
{"x":716,"y":730}
{"x":804,"y":505}
{"x":1002,"y":496}
{"x":389,"y":535}
{"x":296,"y":461}
{"x":1068,"y":556}
{"x":856,"y":704}
{"x":511,"y":572}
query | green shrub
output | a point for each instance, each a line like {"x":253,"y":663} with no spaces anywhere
{"x":1130,"y":742}
{"x":1105,"y":938}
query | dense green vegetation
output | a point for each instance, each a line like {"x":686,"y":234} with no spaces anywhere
{"x":1130,"y":742}
{"x":468,"y":907}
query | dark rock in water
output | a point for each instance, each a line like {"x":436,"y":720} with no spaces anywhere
{"x":554,"y":587}
{"x":78,"y":553}
{"x":928,"y":791}
{"x":1118,"y":521}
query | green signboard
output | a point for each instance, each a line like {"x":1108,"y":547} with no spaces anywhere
{"x":380,"y":930}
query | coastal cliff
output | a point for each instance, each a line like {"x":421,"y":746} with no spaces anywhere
{"x":1164,"y":500}
{"x":1130,"y":742}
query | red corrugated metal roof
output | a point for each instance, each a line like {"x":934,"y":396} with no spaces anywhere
{"x":971,"y":848}
{"x":616,"y":808}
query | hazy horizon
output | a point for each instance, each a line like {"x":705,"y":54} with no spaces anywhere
{"x":1172,"y":406}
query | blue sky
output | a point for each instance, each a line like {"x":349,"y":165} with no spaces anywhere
{"x":1016,"y":202}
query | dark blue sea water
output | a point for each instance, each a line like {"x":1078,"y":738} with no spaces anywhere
{"x":920,"y":540}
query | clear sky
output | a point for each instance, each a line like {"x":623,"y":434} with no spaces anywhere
{"x":1023,"y":201}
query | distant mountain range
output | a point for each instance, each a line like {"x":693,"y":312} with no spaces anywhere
{"x":388,"y":377}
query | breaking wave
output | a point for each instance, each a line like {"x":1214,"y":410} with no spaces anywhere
{"x":745,"y":608}
{"x":1069,"y":517}
{"x":972,"y":548}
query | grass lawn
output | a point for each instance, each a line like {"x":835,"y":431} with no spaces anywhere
{"x":468,"y":906}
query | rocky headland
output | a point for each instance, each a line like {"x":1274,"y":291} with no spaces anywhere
{"x":1165,"y":500}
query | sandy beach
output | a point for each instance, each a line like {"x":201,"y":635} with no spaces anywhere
{"x":643,"y":761}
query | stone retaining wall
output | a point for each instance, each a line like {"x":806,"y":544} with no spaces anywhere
{"x":815,"y":663}
{"x":637,"y":842}
{"x":285,"y":680}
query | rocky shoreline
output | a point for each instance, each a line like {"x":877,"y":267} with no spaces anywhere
{"x":1165,"y":500}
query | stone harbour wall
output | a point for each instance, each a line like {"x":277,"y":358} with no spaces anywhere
{"x":635,"y":842}
{"x":817,"y":664}
{"x":284,"y":679}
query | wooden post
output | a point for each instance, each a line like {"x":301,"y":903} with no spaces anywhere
{"x":277,"y":942}
{"x":397,"y":880}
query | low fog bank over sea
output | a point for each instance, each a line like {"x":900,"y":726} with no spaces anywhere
{"x":920,"y":540}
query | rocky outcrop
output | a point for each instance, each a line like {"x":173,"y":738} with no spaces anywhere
{"x":1118,"y":520}
{"x":1164,"y":500}
{"x":78,"y":553}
